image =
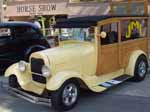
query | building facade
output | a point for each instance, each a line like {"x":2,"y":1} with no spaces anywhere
{"x":1,"y":10}
{"x":48,"y":11}
{"x":22,"y":9}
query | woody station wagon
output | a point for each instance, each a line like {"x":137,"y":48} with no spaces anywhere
{"x":96,"y":53}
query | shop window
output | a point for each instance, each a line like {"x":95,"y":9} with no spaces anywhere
{"x":112,"y":33}
{"x":137,"y":9}
{"x":133,"y":29}
{"x":126,"y":7}
{"x":120,"y":9}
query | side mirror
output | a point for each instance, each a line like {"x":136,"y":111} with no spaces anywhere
{"x":103,"y":34}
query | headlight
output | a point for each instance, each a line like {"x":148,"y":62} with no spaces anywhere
{"x":22,"y":66}
{"x":46,"y":71}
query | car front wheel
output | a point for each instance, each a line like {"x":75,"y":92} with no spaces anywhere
{"x":66,"y":97}
{"x":13,"y":82}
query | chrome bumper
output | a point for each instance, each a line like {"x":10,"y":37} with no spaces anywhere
{"x":24,"y":95}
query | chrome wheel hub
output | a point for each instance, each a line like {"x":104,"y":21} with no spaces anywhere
{"x":70,"y":94}
{"x":142,"y":69}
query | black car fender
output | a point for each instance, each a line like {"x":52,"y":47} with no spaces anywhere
{"x":34,"y":48}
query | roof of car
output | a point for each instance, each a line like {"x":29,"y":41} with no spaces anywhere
{"x":17,"y":24}
{"x":83,"y":22}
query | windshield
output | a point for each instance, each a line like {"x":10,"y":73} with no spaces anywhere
{"x":80,"y":34}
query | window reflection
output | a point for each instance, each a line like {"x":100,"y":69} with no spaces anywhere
{"x":80,"y":34}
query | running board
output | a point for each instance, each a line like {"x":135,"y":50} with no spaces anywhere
{"x":115,"y":81}
{"x":25,"y":95}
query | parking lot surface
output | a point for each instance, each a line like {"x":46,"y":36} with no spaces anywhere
{"x":127,"y":97}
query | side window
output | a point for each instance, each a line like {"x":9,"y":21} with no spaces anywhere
{"x":111,"y":33}
{"x":5,"y":33}
{"x":32,"y":33}
{"x":25,"y":33}
{"x":133,"y":29}
{"x":20,"y":32}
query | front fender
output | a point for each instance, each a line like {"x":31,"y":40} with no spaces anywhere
{"x":30,"y":49}
{"x":11,"y":70}
{"x":132,"y":61}
{"x":23,"y":78}
{"x":57,"y":80}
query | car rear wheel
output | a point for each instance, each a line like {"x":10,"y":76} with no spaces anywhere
{"x":13,"y":82}
{"x":66,"y":97}
{"x":140,"y":70}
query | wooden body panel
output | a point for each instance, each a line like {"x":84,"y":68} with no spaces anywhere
{"x":128,"y":47}
{"x":113,"y":57}
{"x":116,"y":56}
{"x":109,"y":58}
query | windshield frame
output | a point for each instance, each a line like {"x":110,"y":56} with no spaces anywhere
{"x":86,"y":34}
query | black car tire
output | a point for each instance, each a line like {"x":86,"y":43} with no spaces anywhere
{"x":58,"y":97}
{"x":13,"y":82}
{"x":140,"y":70}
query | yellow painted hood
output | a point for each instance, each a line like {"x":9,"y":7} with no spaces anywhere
{"x":68,"y":57}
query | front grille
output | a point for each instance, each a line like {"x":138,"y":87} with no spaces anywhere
{"x":39,"y":78}
{"x":36,"y":65}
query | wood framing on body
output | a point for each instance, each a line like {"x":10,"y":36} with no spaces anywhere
{"x":116,"y":56}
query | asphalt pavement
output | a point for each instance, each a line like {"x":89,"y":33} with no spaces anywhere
{"x":127,"y":97}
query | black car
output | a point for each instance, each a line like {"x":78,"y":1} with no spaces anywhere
{"x":17,"y":41}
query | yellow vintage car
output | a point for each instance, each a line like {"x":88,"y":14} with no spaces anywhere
{"x":94,"y":52}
